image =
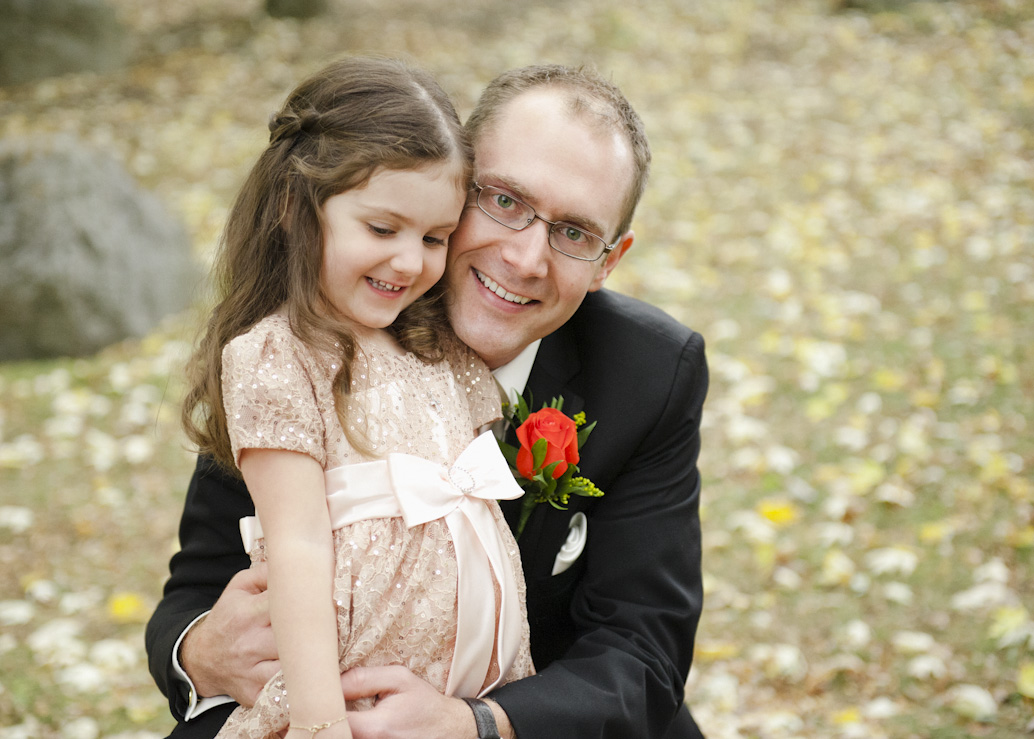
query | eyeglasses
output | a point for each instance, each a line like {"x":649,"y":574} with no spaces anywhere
{"x":567,"y":238}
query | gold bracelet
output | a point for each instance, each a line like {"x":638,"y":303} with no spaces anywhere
{"x":314,"y":730}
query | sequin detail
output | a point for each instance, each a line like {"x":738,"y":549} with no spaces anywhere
{"x":395,"y":588}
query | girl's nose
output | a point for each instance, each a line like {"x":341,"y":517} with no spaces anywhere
{"x":409,"y":259}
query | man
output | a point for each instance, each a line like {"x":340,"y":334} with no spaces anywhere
{"x":614,"y":590}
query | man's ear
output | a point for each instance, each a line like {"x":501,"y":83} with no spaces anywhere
{"x":624,"y":244}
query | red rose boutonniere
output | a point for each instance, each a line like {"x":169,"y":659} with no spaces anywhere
{"x":546,"y":463}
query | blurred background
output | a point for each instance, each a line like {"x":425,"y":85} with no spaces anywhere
{"x":841,"y":203}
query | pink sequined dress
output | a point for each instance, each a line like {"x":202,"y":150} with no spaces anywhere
{"x":422,"y":550}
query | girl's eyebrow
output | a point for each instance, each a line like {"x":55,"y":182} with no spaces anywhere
{"x":586,"y":223}
{"x":389,"y":213}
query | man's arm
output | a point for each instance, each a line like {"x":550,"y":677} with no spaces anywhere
{"x":211,"y":554}
{"x":232,"y":651}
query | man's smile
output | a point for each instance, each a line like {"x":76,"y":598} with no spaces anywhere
{"x":499,"y":290}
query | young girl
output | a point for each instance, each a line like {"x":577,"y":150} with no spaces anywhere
{"x":328,"y":375}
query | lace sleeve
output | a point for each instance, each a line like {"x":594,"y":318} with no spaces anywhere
{"x":268,"y":393}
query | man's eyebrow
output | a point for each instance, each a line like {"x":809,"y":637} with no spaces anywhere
{"x":583,"y":222}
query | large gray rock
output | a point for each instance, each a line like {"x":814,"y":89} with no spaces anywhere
{"x":86,"y":257}
{"x":43,"y":38}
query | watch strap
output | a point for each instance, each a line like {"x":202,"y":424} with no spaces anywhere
{"x":483,"y":718}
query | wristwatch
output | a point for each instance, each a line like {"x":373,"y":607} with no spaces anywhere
{"x":483,"y":718}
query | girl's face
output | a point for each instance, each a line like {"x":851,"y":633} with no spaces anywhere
{"x":385,"y":243}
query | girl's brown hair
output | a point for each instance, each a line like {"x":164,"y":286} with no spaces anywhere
{"x":334,"y":131}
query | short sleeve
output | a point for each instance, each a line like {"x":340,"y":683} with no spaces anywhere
{"x":268,"y":393}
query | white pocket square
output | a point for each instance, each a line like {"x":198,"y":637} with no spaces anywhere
{"x":576,"y":534}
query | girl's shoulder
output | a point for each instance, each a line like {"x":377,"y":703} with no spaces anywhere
{"x":275,"y":326}
{"x":274,"y":329}
{"x":460,"y":358}
{"x":476,"y":381}
{"x":271,"y":340}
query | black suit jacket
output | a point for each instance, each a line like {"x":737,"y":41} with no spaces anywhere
{"x":612,"y":637}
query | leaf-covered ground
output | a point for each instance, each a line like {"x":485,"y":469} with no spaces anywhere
{"x":841,"y":203}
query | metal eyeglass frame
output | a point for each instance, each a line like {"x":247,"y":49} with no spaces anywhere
{"x":607,"y":248}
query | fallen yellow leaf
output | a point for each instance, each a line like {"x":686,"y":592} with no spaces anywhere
{"x":1025,"y":682}
{"x":778,"y":512}
{"x":847,"y":716}
{"x":127,"y":608}
{"x":716,"y":651}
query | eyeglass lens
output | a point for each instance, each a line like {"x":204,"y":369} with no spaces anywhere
{"x":566,"y":238}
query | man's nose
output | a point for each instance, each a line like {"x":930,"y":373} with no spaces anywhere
{"x":528,"y":250}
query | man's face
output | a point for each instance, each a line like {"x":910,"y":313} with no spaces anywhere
{"x":508,"y":288}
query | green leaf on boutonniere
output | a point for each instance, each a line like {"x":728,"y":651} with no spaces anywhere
{"x":548,"y":440}
{"x":538,"y":453}
{"x":583,"y":434}
{"x":509,"y":454}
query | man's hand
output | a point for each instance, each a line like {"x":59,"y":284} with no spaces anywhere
{"x":232,"y":651}
{"x":409,"y":708}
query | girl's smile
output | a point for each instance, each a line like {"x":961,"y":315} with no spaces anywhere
{"x":385,"y":243}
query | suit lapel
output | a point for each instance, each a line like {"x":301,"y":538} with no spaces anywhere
{"x":556,"y":364}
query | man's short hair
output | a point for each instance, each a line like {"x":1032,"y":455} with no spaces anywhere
{"x":589,"y":94}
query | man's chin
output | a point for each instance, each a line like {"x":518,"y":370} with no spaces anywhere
{"x":496,"y":345}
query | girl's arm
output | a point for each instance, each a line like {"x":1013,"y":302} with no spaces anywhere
{"x":290,"y":499}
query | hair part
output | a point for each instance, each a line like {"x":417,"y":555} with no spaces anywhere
{"x":336,"y":129}
{"x":588,"y":96}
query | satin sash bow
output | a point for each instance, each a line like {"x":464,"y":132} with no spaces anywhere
{"x":419,"y":491}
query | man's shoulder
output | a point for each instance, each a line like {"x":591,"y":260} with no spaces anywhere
{"x":610,"y":316}
{"x":616,"y":338}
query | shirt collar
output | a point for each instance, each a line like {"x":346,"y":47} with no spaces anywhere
{"x":513,"y":376}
